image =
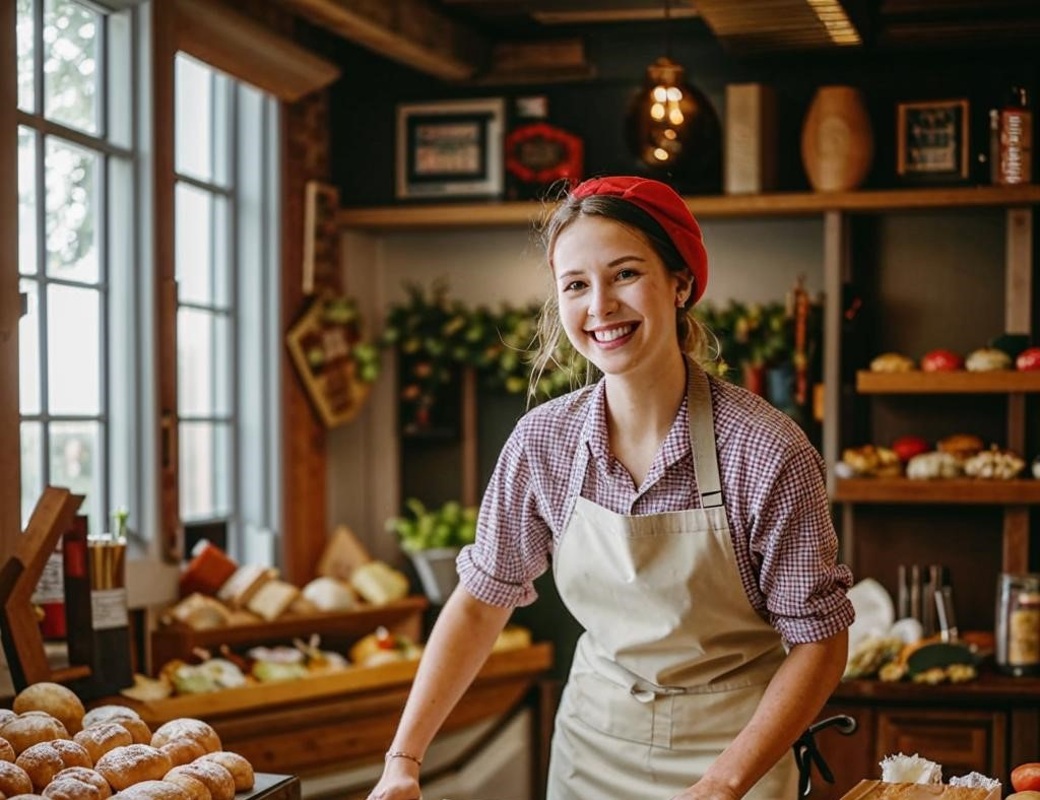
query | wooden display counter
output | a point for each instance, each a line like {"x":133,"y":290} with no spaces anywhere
{"x":341,"y":719}
{"x":988,"y":725}
{"x":272,"y":787}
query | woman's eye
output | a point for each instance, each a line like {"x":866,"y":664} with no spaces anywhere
{"x":574,"y":286}
{"x":626,"y":273}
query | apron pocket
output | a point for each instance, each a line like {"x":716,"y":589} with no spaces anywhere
{"x":610,"y":709}
{"x":711,"y":720}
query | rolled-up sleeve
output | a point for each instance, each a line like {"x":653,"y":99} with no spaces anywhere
{"x":513,"y":539}
{"x":793,"y":535}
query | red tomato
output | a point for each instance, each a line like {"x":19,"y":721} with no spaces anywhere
{"x":1028,"y":359}
{"x":1026,"y":777}
{"x":941,"y":361}
{"x":906,"y":447}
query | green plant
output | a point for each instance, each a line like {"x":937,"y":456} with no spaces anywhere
{"x":420,"y":528}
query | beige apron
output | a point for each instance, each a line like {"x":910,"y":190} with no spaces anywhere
{"x":674,"y":659}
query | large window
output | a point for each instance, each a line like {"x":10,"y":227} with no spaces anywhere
{"x":76,"y":245}
{"x":91,"y":353}
{"x":226,"y":201}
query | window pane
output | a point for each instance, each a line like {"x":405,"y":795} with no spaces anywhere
{"x":194,"y":119}
{"x":72,"y":212}
{"x":32,"y":468}
{"x":202,"y":251}
{"x":26,"y":76}
{"x":73,"y":350}
{"x":76,"y":463}
{"x":205,"y":479}
{"x":70,"y":75}
{"x":26,"y":201}
{"x":204,"y":365}
{"x":29,"y":352}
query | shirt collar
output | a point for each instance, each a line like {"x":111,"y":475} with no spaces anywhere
{"x":594,"y":433}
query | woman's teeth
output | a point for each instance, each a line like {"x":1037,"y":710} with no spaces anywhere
{"x":612,"y":334}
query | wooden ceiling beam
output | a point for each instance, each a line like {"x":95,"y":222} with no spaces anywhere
{"x":411,"y":32}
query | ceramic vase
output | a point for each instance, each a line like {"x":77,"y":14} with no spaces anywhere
{"x":837,"y":140}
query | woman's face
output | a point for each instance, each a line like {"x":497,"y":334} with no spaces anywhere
{"x":617,"y":300}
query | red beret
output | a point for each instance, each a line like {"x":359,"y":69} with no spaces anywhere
{"x":662,"y":203}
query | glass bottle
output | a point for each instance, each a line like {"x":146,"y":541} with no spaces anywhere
{"x":1018,"y":624}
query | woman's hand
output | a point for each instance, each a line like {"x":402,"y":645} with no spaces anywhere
{"x":399,"y":782}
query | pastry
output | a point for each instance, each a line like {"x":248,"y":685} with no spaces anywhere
{"x":892,"y":362}
{"x":7,"y":752}
{"x":195,"y":788}
{"x":132,"y":764}
{"x":121,"y":715}
{"x":72,"y":789}
{"x":86,"y":775}
{"x":183,"y":751}
{"x":43,"y":761}
{"x":238,"y":765}
{"x":99,"y":739}
{"x":216,"y":777}
{"x":187,"y":728}
{"x":960,"y":445}
{"x":31,"y":728}
{"x":987,"y":359}
{"x":57,"y":700}
{"x":14,"y":780}
{"x":153,"y":790}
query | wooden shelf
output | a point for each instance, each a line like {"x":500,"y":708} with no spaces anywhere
{"x":988,"y":687}
{"x":352,"y":681}
{"x":959,"y":382}
{"x":401,"y":616}
{"x":963,"y":491}
{"x":791,"y":204}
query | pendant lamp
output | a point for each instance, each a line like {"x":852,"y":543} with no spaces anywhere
{"x":672,"y":127}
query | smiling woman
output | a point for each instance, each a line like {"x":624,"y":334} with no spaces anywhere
{"x":648,"y":492}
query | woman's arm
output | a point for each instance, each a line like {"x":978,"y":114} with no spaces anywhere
{"x":457,"y":648}
{"x":791,"y":702}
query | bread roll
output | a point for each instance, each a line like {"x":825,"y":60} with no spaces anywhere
{"x":6,"y":715}
{"x":195,"y":788}
{"x":132,"y":764}
{"x":45,"y":760}
{"x":217,"y":778}
{"x":28,"y":796}
{"x":100,"y":738}
{"x":71,"y":789}
{"x":183,"y":751}
{"x":31,"y":728}
{"x":87,"y":775}
{"x":108,"y":713}
{"x":238,"y":765}
{"x":14,"y":779}
{"x":7,"y":752}
{"x":153,"y":790}
{"x":57,"y":700}
{"x":187,"y":728}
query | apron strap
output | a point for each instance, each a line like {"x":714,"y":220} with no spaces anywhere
{"x":702,"y":437}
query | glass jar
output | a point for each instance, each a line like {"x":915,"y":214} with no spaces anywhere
{"x":1018,"y":624}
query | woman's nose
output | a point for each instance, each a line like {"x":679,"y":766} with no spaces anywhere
{"x":603,"y":301}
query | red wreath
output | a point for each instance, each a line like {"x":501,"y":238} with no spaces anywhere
{"x":569,"y":167}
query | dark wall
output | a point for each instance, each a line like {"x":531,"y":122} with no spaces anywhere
{"x":364,"y":100}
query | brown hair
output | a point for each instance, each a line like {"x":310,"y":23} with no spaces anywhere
{"x":694,"y":339}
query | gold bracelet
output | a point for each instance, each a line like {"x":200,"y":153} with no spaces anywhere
{"x":402,"y":754}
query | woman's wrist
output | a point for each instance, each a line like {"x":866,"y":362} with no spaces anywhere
{"x":398,"y":754}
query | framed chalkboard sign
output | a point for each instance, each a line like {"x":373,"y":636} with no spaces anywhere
{"x":932,"y":141}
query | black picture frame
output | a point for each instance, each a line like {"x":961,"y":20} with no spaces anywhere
{"x":450,"y":149}
{"x":933,"y":141}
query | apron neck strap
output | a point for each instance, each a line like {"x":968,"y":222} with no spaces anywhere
{"x":702,"y":436}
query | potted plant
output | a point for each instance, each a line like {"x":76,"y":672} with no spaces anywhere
{"x":432,"y":539}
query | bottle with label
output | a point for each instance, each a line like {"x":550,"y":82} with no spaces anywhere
{"x":1016,"y":140}
{"x":111,"y":668}
{"x":49,"y":596}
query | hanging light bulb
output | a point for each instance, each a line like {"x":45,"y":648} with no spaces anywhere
{"x":672,"y":127}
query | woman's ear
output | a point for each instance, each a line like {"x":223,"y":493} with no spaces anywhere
{"x":683,"y":288}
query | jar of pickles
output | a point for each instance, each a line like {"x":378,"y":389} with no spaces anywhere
{"x":1018,"y":624}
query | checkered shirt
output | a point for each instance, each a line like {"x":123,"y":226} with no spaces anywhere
{"x":773,"y":486}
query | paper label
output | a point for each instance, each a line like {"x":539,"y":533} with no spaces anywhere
{"x":51,"y":587}
{"x":108,"y":609}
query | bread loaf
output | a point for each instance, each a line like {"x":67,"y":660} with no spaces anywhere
{"x":195,"y":788}
{"x":86,"y":775}
{"x":239,"y":767}
{"x":57,"y":700}
{"x":43,"y":761}
{"x":99,"y":739}
{"x":31,"y":728}
{"x":132,"y":764}
{"x":217,"y":779}
{"x":153,"y":790}
{"x":14,"y":780}
{"x":187,"y":728}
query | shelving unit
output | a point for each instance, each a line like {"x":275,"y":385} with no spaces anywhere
{"x":954,"y":490}
{"x":789,"y":204}
{"x":960,"y":382}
